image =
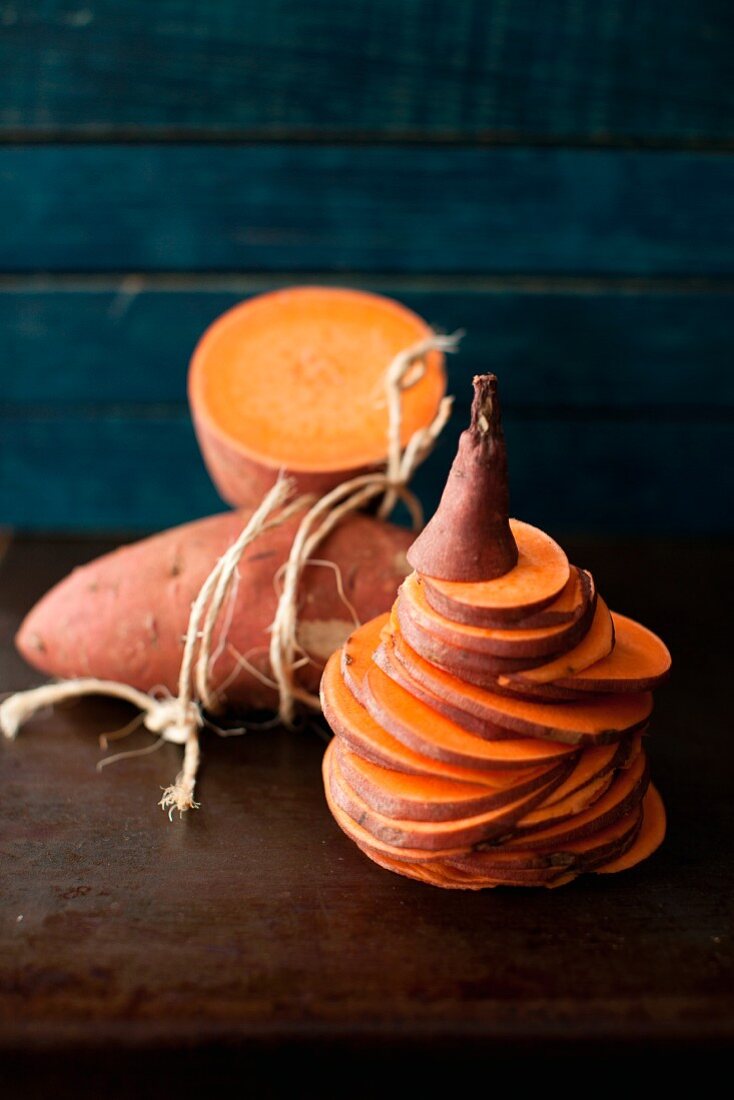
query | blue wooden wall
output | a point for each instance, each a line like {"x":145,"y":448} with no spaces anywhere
{"x":557,"y":178}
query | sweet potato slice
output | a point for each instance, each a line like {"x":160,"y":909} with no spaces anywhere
{"x":357,"y":832}
{"x":384,"y":658}
{"x":648,"y":840}
{"x":625,"y":792}
{"x":582,"y":854}
{"x":577,"y":802}
{"x":495,"y":682}
{"x":512,"y":642}
{"x":540,"y":575}
{"x":429,"y":733}
{"x":591,"y":765}
{"x":431,"y":798}
{"x":639,"y":661}
{"x":596,"y":720}
{"x":597,"y":644}
{"x":421,"y":834}
{"x":567,"y":606}
{"x":465,"y":663}
{"x":366,"y":738}
{"x":445,"y":874}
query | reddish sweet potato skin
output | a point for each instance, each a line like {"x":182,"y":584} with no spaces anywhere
{"x":123,"y":617}
{"x":242,"y":480}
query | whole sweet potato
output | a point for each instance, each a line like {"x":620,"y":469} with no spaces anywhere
{"x":123,"y":617}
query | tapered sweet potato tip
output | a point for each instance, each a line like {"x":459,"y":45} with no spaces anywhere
{"x":469,"y":537}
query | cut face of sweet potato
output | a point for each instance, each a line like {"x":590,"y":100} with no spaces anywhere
{"x":638,"y":662}
{"x":539,"y":577}
{"x":295,"y":379}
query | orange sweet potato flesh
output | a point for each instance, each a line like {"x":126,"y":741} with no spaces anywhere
{"x":639,"y":661}
{"x":431,"y":734}
{"x":648,"y":840}
{"x":366,"y":738}
{"x":123,"y":617}
{"x":429,"y":798}
{"x":478,"y":869}
{"x":625,"y":792}
{"x":518,"y":640}
{"x":568,"y":605}
{"x":422,"y":834}
{"x":541,"y":573}
{"x":593,"y":647}
{"x":294,"y":379}
{"x":586,"y":853}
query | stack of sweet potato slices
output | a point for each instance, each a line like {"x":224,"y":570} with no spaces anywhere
{"x":489,"y":732}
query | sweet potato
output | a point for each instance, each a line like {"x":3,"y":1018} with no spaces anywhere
{"x":294,"y":380}
{"x":123,"y":616}
{"x":469,"y":538}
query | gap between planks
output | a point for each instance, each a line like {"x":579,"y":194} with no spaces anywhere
{"x":135,"y":135}
{"x":246,"y":282}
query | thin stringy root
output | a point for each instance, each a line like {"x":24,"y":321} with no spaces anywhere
{"x":179,"y":797}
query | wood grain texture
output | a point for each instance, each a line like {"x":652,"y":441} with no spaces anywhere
{"x":369,"y":208}
{"x":129,"y":470}
{"x":253,"y":936}
{"x":129,"y":341}
{"x":583,"y":70}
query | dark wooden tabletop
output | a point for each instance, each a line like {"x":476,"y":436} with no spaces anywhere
{"x":253,"y":933}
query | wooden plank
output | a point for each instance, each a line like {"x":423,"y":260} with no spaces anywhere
{"x":130,"y":341}
{"x":91,"y":473}
{"x":589,"y":70}
{"x":369,"y":208}
{"x":127,"y":471}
